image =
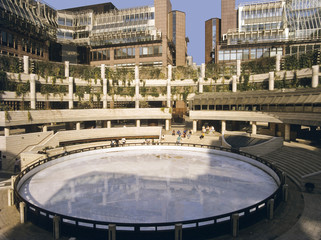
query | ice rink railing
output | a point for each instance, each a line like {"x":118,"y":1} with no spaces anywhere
{"x":220,"y":223}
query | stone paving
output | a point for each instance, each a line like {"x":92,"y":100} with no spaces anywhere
{"x":298,"y":219}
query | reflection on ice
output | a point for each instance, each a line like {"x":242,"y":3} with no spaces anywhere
{"x":148,"y":186}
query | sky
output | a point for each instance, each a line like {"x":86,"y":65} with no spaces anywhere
{"x":197,"y":12}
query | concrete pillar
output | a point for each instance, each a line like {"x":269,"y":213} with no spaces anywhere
{"x":105,"y":90}
{"x":200,"y":85}
{"x":254,"y":128}
{"x":103,"y":71}
{"x":108,"y":124}
{"x":270,"y":209}
{"x":178,"y":231}
{"x":111,"y":232}
{"x":136,"y":72}
{"x":23,"y":212}
{"x":238,"y":68}
{"x":169,"y":93}
{"x":13,"y":179}
{"x":45,"y":128}
{"x":223,"y":127}
{"x":137,"y":123}
{"x":271,"y":81}
{"x":67,"y":69}
{"x":235,"y":224}
{"x":71,"y":92}
{"x":194,"y":126}
{"x":315,"y":76}
{"x":167,"y":124}
{"x":32,"y":91}
{"x":6,"y":132}
{"x":56,"y":227}
{"x":26,"y":64}
{"x":285,"y":191}
{"x":10,"y":197}
{"x":284,"y":176}
{"x":137,"y":93}
{"x":203,"y":70}
{"x":287,"y":132}
{"x":78,"y":126}
{"x":278,"y":63}
{"x":234,"y":84}
{"x":170,"y":72}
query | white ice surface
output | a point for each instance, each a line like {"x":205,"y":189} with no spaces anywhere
{"x":148,"y":186}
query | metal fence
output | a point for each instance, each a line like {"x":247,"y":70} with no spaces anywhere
{"x":191,"y":229}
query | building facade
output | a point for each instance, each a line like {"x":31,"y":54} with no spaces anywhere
{"x":27,"y":28}
{"x":269,"y":28}
{"x":95,"y":34}
{"x":212,"y":39}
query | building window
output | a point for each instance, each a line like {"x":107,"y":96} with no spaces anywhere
{"x":61,"y":21}
{"x":4,"y":38}
{"x":153,"y":51}
{"x":123,"y":53}
{"x":69,"y":22}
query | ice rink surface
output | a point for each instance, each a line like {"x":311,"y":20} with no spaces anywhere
{"x":148,"y":186}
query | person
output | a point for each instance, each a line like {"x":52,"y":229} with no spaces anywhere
{"x":163,"y":137}
{"x":202,"y":136}
{"x":112,"y":144}
{"x":207,"y":129}
{"x":117,"y":142}
{"x":173,"y":133}
{"x":17,"y":165}
{"x":179,"y":133}
{"x":123,"y":141}
{"x":178,"y":140}
{"x":189,"y":135}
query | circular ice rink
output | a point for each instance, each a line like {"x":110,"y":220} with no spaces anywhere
{"x":148,"y":184}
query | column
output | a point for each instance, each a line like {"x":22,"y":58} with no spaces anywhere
{"x":254,"y":128}
{"x":26,"y":64}
{"x":137,"y":86}
{"x":71,"y":93}
{"x":105,"y":90}
{"x":315,"y":76}
{"x":270,"y":209}
{"x":66,"y":69}
{"x":56,"y":227}
{"x":111,"y":232}
{"x":137,"y":123}
{"x":200,"y":81}
{"x":45,"y":128}
{"x":278,"y":63}
{"x":271,"y":81}
{"x":235,"y":224}
{"x":287,"y":132}
{"x":78,"y":126}
{"x":23,"y":212}
{"x":234,"y":83}
{"x":194,"y":126}
{"x":103,"y":71}
{"x":238,"y":68}
{"x":223,"y":127}
{"x":33,"y":91}
{"x":169,"y":89}
{"x":167,"y":124}
{"x":178,"y":231}
{"x":7,"y":132}
{"x":108,"y":124}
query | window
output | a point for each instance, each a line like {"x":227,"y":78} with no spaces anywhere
{"x":10,"y":40}
{"x":150,"y":51}
{"x":4,"y":38}
{"x":69,"y":22}
{"x":253,"y":53}
{"x":61,"y":21}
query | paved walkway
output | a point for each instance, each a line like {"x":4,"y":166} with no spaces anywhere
{"x":298,"y":219}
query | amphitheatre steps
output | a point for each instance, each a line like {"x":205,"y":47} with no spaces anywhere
{"x":290,"y":160}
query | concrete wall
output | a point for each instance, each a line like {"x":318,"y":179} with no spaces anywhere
{"x":264,"y":148}
{"x":13,"y":145}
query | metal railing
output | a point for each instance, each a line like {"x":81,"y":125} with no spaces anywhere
{"x":193,"y":229}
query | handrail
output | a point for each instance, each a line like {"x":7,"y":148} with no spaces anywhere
{"x":74,"y":221}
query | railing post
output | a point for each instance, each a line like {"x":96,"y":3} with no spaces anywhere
{"x":235,"y":224}
{"x":105,"y":92}
{"x":10,"y":197}
{"x":32,"y":84}
{"x":111,"y":232}
{"x":178,"y":231}
{"x":238,"y":68}
{"x":71,"y":92}
{"x":285,"y":192}
{"x":270,"y":209}
{"x":278,"y":63}
{"x":66,"y":69}
{"x":194,"y":126}
{"x":56,"y":227}
{"x":234,"y":83}
{"x":23,"y":212}
{"x":169,"y":87}
{"x":315,"y":76}
{"x":137,"y":86}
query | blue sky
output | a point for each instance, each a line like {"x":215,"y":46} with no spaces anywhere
{"x":197,"y":12}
